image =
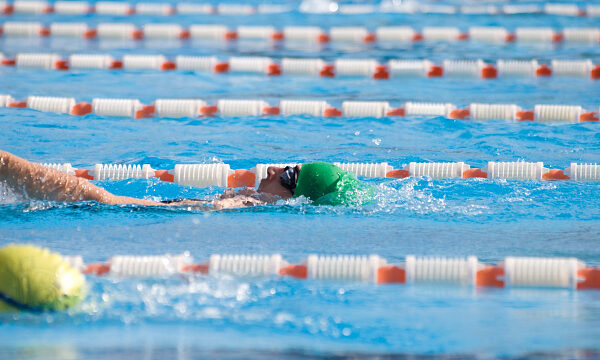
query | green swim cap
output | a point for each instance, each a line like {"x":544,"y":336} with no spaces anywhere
{"x":34,"y":279}
{"x":327,"y":184}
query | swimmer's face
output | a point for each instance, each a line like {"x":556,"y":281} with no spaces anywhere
{"x":272,"y":183}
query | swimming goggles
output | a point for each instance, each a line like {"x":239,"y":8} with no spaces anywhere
{"x":289,"y":177}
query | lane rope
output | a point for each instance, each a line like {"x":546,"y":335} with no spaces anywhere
{"x":302,"y":34}
{"x":180,"y":108}
{"x":222,"y":175}
{"x":370,"y":68}
{"x":512,"y":272}
{"x":118,"y":8}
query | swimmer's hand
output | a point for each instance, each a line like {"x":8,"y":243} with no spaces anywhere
{"x":237,"y":201}
{"x":230,"y":193}
{"x":230,"y":199}
{"x":244,"y":197}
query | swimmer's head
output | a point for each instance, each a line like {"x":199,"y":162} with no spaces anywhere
{"x":280,"y":181}
{"x":327,"y":184}
{"x":35,"y":279}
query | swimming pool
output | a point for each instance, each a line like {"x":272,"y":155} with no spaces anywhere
{"x":223,"y":317}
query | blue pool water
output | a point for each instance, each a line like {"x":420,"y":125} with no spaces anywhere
{"x":280,"y":317}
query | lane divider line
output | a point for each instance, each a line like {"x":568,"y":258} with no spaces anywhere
{"x":119,"y":8}
{"x":511,"y":272}
{"x":222,"y":175}
{"x":180,"y":108}
{"x":394,"y":68}
{"x":493,"y":35}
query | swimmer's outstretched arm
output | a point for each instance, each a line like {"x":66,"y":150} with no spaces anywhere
{"x":42,"y":183}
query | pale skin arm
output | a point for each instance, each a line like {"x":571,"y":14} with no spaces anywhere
{"x":42,"y":183}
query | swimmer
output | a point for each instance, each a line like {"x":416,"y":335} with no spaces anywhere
{"x":322,"y":183}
